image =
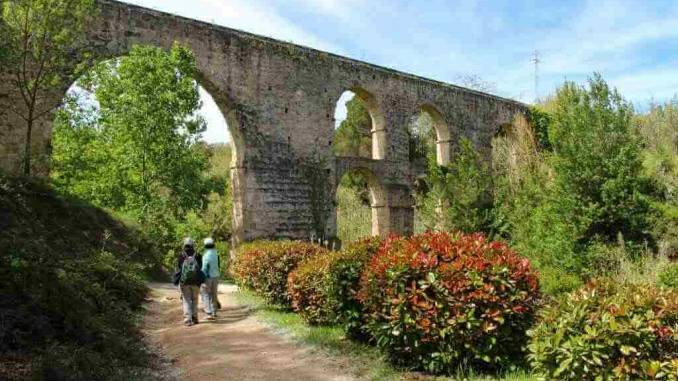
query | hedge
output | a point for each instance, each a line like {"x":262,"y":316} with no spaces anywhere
{"x":441,"y":301}
{"x":324,"y":288}
{"x":264,"y":266}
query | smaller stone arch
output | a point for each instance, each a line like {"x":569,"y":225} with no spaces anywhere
{"x":443,"y":134}
{"x":379,"y":143}
{"x":378,"y":193}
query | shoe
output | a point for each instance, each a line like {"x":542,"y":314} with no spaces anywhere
{"x":195,"y":320}
{"x":210,"y":317}
{"x":188,"y":323}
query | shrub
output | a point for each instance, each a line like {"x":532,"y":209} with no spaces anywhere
{"x":324,"y":288}
{"x":344,"y":284}
{"x":440,"y":301}
{"x":608,"y":330}
{"x":307,"y":287}
{"x":669,"y":276}
{"x":264,"y":266}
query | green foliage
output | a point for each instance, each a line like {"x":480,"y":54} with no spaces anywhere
{"x":540,"y":121}
{"x":439,"y":302}
{"x":40,"y":38}
{"x":597,"y":162}
{"x":669,"y":276}
{"x":344,"y":283}
{"x":659,"y":129}
{"x":608,"y":331}
{"x":70,"y":280}
{"x":353,"y":137}
{"x":568,"y":204}
{"x":354,"y":215}
{"x":136,"y":152}
{"x":459,"y":194}
{"x":143,"y":144}
{"x":265,"y":265}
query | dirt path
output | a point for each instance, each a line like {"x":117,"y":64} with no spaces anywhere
{"x":234,"y":347}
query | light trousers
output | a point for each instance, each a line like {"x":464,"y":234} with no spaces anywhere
{"x":189,"y":296}
{"x":208,"y":293}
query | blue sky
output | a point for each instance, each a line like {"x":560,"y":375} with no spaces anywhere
{"x":634,"y":44}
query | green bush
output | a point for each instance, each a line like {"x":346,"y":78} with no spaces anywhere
{"x":669,"y":276}
{"x":344,"y":284}
{"x":608,"y":330}
{"x":265,"y":265}
{"x":441,"y":302}
{"x":307,"y":287}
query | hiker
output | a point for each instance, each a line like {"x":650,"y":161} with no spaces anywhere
{"x":189,"y":277}
{"x":210,"y":267}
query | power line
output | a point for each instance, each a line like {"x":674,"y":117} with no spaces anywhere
{"x":536,"y":60}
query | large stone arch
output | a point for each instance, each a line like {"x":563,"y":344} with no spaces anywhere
{"x":278,"y":99}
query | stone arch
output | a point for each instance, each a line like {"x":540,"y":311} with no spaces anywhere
{"x":378,"y":196}
{"x":234,"y":124}
{"x":443,"y":134}
{"x":379,"y":143}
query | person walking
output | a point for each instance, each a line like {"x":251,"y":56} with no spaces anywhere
{"x":189,"y":277}
{"x":210,"y":266}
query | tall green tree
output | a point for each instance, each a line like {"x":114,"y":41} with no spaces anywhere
{"x":353,"y":137}
{"x":142,"y":155}
{"x":597,"y":161}
{"x":39,"y":40}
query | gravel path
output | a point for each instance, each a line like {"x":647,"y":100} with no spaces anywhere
{"x":236,"y":346}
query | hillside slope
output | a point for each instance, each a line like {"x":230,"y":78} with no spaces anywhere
{"x":70,"y":283}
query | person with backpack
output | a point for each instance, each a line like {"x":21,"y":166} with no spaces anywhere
{"x":189,"y":277}
{"x":210,"y":266}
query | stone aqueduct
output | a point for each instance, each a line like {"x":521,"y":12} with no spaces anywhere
{"x":279,"y":101}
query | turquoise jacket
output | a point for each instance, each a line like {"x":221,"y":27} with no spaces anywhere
{"x":210,"y":263}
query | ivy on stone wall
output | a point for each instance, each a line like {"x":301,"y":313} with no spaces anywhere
{"x":316,"y":174}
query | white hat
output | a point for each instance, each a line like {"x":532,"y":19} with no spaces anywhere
{"x":208,"y":241}
{"x":188,"y":241}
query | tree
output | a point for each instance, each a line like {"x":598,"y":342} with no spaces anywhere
{"x":458,"y":194}
{"x":475,"y":82}
{"x":40,"y":39}
{"x":142,"y":152}
{"x":354,"y":135}
{"x":597,"y":161}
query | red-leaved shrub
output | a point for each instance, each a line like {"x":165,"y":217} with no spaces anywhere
{"x":441,"y":301}
{"x":264,"y":266}
{"x":324,"y":288}
{"x":307,"y":287}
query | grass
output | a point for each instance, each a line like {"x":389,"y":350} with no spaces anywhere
{"x":366,"y":362}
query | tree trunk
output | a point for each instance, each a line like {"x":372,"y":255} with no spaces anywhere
{"x":27,"y":148}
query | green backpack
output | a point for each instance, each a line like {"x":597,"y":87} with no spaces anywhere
{"x":190,"y":272}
